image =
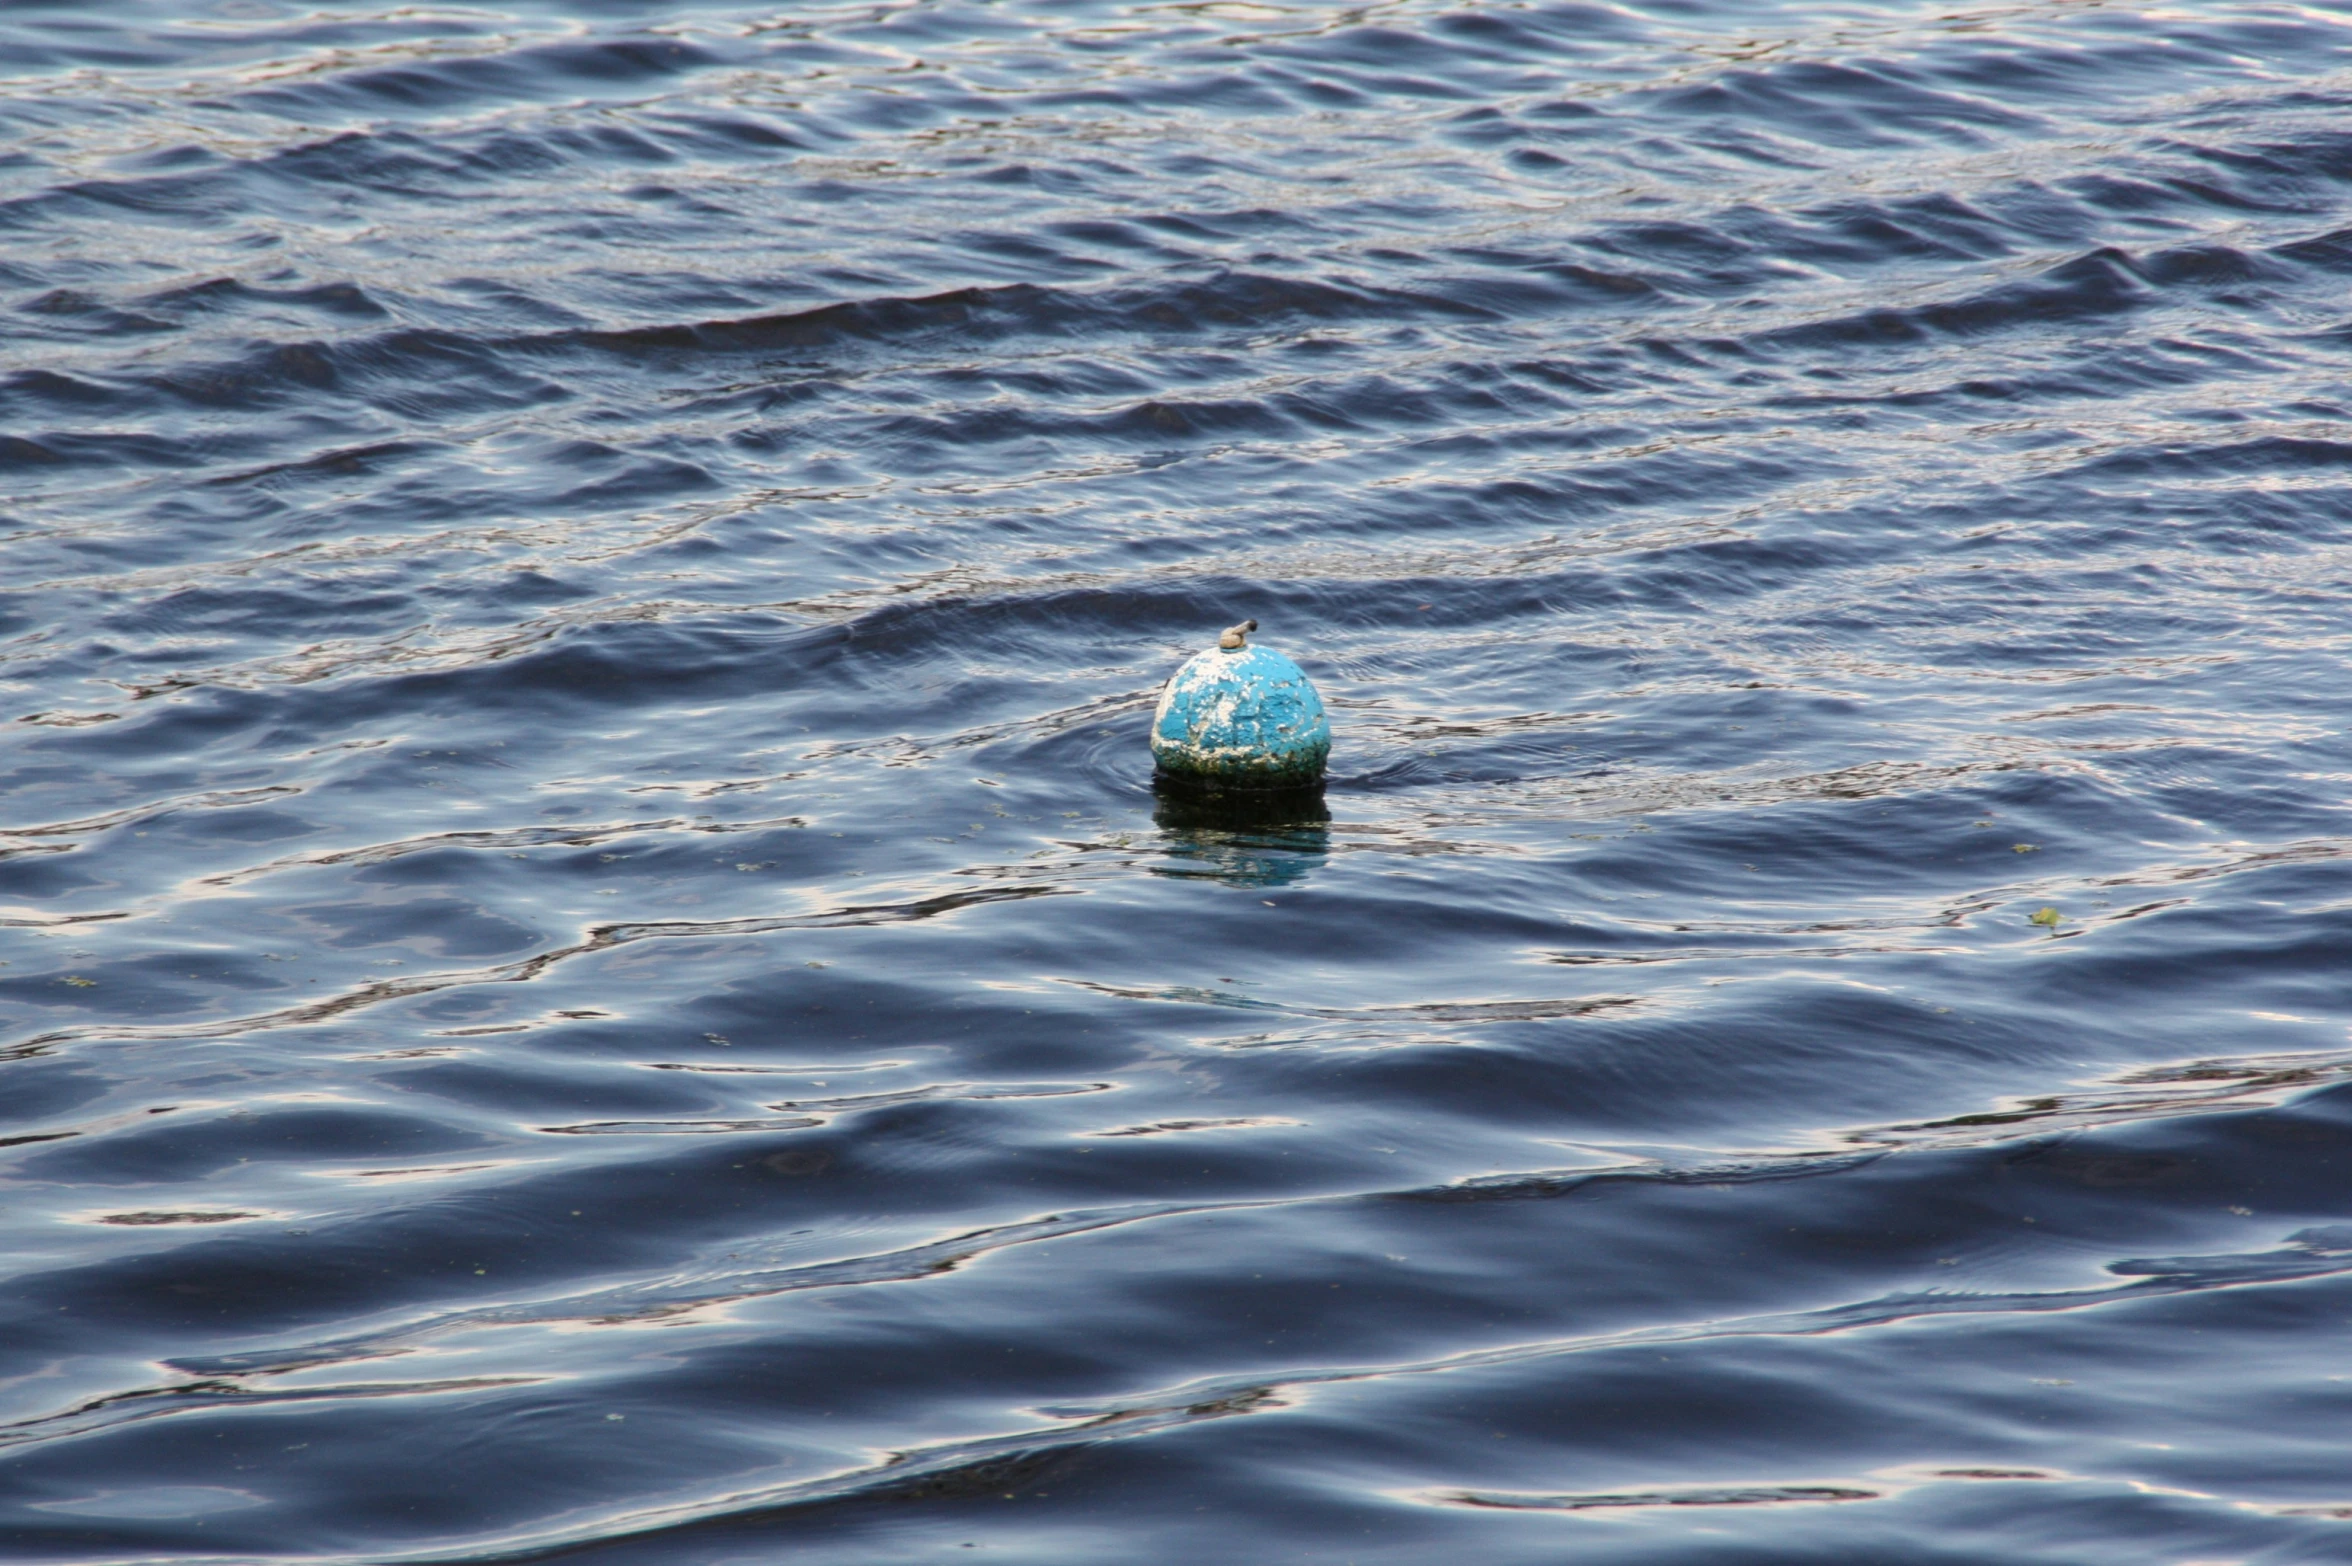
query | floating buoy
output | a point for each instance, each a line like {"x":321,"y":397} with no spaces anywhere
{"x":1239,"y":717}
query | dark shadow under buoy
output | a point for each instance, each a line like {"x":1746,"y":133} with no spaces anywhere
{"x":1242,"y":837}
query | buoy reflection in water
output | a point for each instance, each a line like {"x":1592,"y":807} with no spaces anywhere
{"x":1260,"y":840}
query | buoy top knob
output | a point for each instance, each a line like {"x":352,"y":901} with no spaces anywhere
{"x":1241,"y":717}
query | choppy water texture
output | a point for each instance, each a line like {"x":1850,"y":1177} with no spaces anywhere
{"x":591,"y":960}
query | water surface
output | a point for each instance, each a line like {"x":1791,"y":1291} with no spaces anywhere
{"x":591,"y":962}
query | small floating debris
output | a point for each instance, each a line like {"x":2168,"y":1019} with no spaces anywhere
{"x":2047,"y":917}
{"x":145,"y":1219}
{"x":1728,"y":1495}
{"x":1238,"y":717}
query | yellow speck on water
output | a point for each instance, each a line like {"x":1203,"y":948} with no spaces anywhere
{"x":2047,"y":916}
{"x":79,"y":982}
{"x":2025,"y":848}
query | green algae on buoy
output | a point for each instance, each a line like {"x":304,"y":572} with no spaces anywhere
{"x":1239,"y":717}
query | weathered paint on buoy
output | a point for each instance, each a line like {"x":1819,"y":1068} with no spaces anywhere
{"x":1241,"y":717}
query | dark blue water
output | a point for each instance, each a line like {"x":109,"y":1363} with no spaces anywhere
{"x":592,"y":969}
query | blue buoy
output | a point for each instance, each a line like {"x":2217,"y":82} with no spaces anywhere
{"x":1241,"y":717}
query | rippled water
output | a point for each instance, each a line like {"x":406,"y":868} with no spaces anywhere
{"x":590,"y":958}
